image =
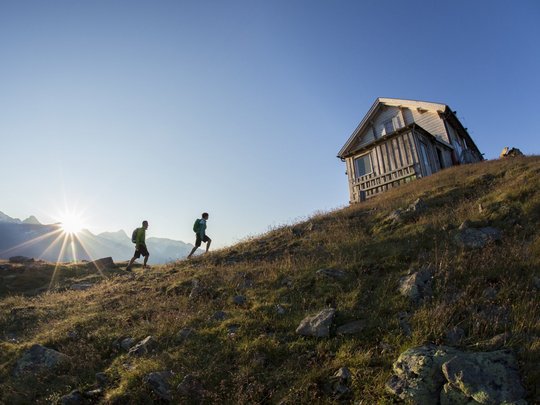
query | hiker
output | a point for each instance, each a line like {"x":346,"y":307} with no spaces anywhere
{"x":138,"y":237}
{"x":199,"y":227}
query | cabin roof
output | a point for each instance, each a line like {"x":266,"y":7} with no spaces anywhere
{"x":394,"y":102}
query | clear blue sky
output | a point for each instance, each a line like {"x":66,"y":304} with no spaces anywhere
{"x":160,"y":110}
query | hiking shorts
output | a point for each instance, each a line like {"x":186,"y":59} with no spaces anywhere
{"x":141,"y":250}
{"x":199,"y":240}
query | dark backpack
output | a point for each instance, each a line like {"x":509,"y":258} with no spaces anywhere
{"x":197,"y":226}
{"x":134,"y":235}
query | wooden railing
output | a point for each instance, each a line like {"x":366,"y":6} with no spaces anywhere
{"x":370,"y":185}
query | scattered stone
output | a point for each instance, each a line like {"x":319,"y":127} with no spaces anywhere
{"x":159,"y":382}
{"x":190,"y":387}
{"x":404,"y":323}
{"x":536,"y":282}
{"x":145,"y":346}
{"x":510,"y":152}
{"x":73,"y":335}
{"x":197,"y":290}
{"x":21,"y":259}
{"x":185,"y":333}
{"x":127,"y":343}
{"x":454,"y":336}
{"x":93,"y":394}
{"x":101,"y":264}
{"x":317,"y":325}
{"x":440,"y":374}
{"x":40,"y":359}
{"x":477,"y":238}
{"x":395,"y":216}
{"x":339,"y":383}
{"x":490,"y":293}
{"x":344,"y":375}
{"x":418,"y":206}
{"x":399,"y":215}
{"x":464,"y":225}
{"x":417,"y":286}
{"x":332,"y":273}
{"x":350,"y":328}
{"x":81,"y":286}
{"x":73,"y":398}
{"x":219,"y":316}
{"x":102,"y":379}
{"x":239,"y":300}
{"x":280,"y":310}
{"x":233,"y":328}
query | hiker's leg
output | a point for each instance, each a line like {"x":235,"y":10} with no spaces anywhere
{"x":131,"y":262}
{"x":192,"y":251}
{"x":146,"y":259}
{"x":208,"y":244}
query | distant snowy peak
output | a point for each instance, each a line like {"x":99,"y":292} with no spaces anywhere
{"x":7,"y":219}
{"x":32,"y":220}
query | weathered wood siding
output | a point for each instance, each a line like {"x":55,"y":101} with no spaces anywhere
{"x":429,"y":120}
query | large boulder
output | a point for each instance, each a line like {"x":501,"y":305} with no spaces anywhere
{"x":441,"y":374}
{"x":317,"y":325}
{"x":39,"y":359}
{"x":101,"y":264}
{"x":486,"y":377}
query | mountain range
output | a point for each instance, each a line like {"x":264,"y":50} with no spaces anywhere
{"x":32,"y":239}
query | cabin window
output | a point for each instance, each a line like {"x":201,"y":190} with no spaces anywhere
{"x":362,"y":165}
{"x":388,"y":127}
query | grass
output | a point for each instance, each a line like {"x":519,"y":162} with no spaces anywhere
{"x":263,"y":360}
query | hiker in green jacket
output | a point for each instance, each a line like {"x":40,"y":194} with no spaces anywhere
{"x":199,"y":227}
{"x":140,"y":246}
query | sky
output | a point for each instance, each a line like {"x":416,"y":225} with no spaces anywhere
{"x":121,"y":111}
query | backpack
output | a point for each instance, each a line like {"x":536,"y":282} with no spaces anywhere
{"x":134,"y":235}
{"x":197,"y":226}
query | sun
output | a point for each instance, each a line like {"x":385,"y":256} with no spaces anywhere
{"x":71,"y":223}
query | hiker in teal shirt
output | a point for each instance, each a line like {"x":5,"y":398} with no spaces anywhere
{"x":140,"y":246}
{"x":199,"y":227}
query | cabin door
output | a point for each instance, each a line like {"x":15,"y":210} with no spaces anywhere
{"x":425,"y":159}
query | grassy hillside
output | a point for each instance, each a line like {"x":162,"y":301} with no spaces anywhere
{"x":253,"y":355}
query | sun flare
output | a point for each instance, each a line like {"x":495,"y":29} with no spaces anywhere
{"x":72,"y":223}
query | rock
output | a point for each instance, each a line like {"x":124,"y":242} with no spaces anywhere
{"x":73,"y":398}
{"x":159,"y":383}
{"x":190,"y":387}
{"x":350,"y":328}
{"x":332,"y":273}
{"x":239,"y":300}
{"x":185,"y":333}
{"x":81,"y":286}
{"x":477,"y":238}
{"x":404,"y":323}
{"x":21,"y":259}
{"x":101,"y":264}
{"x":536,"y":282}
{"x":197,"y":290}
{"x":102,"y":379}
{"x":464,"y":225}
{"x":441,"y":374}
{"x":317,"y":325}
{"x":417,"y":207}
{"x":488,"y":378}
{"x":219,"y":316}
{"x":454,"y":336}
{"x":233,"y":328}
{"x":93,"y":394}
{"x":418,"y":374}
{"x":39,"y":359}
{"x":145,"y":346}
{"x":417,"y":286}
{"x":343,"y":374}
{"x":510,"y":152}
{"x":127,"y":343}
{"x":280,"y":310}
{"x":489,"y":293}
{"x":395,"y":216}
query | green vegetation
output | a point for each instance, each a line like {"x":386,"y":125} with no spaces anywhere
{"x":254,"y":354}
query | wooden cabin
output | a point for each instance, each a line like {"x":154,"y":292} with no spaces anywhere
{"x":402,"y":140}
